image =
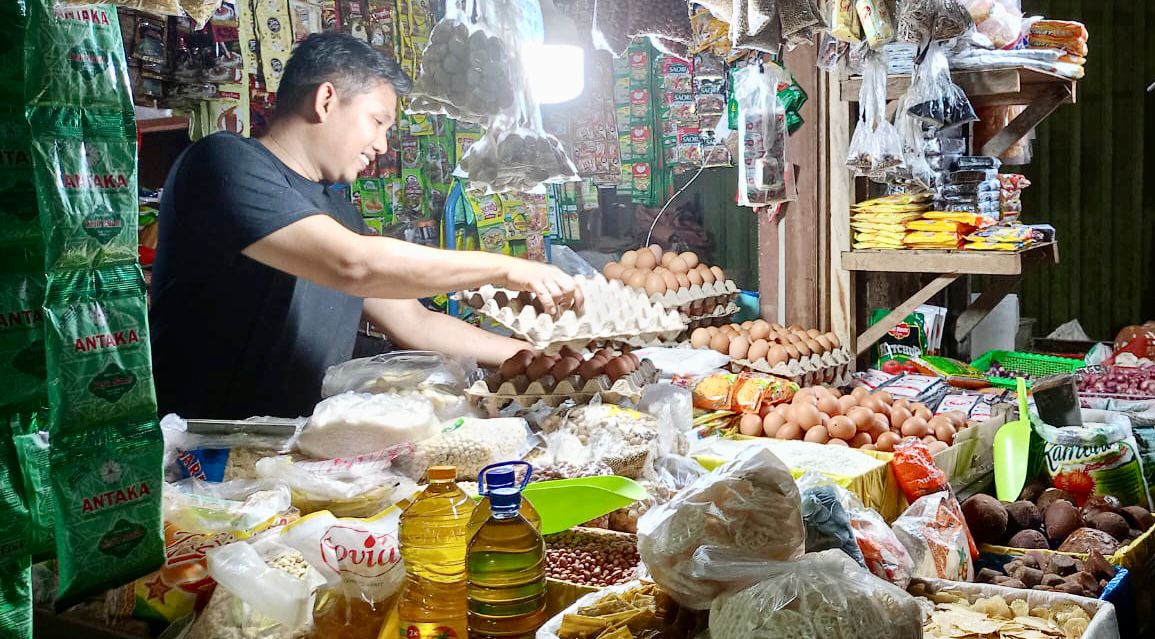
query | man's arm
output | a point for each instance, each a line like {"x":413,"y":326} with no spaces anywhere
{"x":320,"y":249}
{"x":410,"y":325}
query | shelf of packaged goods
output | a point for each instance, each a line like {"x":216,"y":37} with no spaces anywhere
{"x":989,"y":87}
{"x":949,"y":262}
{"x":1006,"y":269}
{"x":157,"y":125}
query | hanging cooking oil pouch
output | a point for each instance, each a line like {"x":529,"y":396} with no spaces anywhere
{"x":107,"y":483}
{"x":84,"y":164}
{"x":98,"y":350}
{"x":18,"y":212}
{"x":15,"y":563}
{"x":22,"y":371}
{"x":75,"y":57}
{"x":32,"y":453}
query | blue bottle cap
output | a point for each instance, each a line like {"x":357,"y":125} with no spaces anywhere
{"x":504,"y":500}
{"x":500,"y":477}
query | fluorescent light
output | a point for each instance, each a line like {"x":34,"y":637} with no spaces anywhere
{"x":556,"y":69}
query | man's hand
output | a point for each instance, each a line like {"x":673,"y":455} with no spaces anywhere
{"x":556,"y":291}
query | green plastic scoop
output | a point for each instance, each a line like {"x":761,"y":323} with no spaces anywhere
{"x":565,"y":503}
{"x":1012,"y":448}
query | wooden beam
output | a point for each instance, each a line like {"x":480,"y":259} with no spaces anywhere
{"x":800,"y":225}
{"x":999,"y":288}
{"x":956,"y":262}
{"x":841,"y":192}
{"x":1037,"y":111}
{"x":883,"y":326}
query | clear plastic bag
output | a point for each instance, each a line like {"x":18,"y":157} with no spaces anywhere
{"x":665,"y":22}
{"x":920,"y":21}
{"x":999,"y":21}
{"x":472,"y":444}
{"x":800,"y":20}
{"x":227,"y":451}
{"x":936,"y":536}
{"x":765,"y":177}
{"x":934,"y":98}
{"x":827,"y":521}
{"x":749,"y":506}
{"x":517,"y":154}
{"x":350,"y":487}
{"x":820,"y":596}
{"x":439,"y":378}
{"x":875,"y":147}
{"x":626,"y":440}
{"x":360,"y":423}
{"x":466,"y":67}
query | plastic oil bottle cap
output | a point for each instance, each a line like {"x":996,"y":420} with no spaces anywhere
{"x":442,"y":473}
{"x":500,"y":477}
{"x":504,"y":501}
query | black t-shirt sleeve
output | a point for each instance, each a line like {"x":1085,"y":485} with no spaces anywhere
{"x":237,"y":194}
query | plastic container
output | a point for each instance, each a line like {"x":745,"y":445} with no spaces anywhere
{"x":496,"y":476}
{"x":433,"y":545}
{"x":506,"y":573}
{"x":1024,"y":363}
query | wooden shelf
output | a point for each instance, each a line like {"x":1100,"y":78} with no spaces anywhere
{"x":157,"y":125}
{"x":949,"y":262}
{"x":985,"y":88}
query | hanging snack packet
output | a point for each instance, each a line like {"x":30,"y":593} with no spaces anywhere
{"x":18,"y":210}
{"x":934,"y":98}
{"x":22,"y":372}
{"x":764,"y":175}
{"x":99,"y":359}
{"x":75,"y":57}
{"x":108,"y":485}
{"x":15,"y":563}
{"x":14,"y":18}
{"x":84,"y":163}
{"x":33,"y":454}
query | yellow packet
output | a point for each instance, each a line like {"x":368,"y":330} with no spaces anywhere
{"x":970,"y":219}
{"x":844,"y":23}
{"x":877,"y":245}
{"x":876,"y":22}
{"x":993,"y":246}
{"x":940,"y":226}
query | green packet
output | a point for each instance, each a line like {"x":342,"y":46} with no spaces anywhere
{"x":84,"y":165}
{"x":907,"y":340}
{"x":15,"y":562}
{"x":19,"y":221}
{"x":22,"y":368}
{"x":13,"y":21}
{"x":16,"y":597}
{"x":32,"y":452}
{"x":74,"y":56}
{"x":98,"y":354}
{"x":108,"y":483}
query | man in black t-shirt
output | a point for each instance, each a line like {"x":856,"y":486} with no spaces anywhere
{"x":263,"y":272}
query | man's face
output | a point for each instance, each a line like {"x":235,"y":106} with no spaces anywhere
{"x":356,"y":129}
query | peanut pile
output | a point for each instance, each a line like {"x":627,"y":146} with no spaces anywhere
{"x":591,"y":560}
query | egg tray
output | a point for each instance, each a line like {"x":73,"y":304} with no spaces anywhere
{"x":613,"y":311}
{"x":496,"y":393}
{"x":719,"y":312}
{"x":684,"y":299}
{"x":827,"y":368}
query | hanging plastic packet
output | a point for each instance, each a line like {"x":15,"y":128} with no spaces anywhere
{"x":19,"y":221}
{"x":764,"y":175}
{"x":466,"y":68}
{"x":875,"y":147}
{"x":14,"y":17}
{"x":877,"y":25}
{"x":99,"y":362}
{"x":910,"y":133}
{"x":85,"y":173}
{"x":199,"y":516}
{"x":107,"y":483}
{"x":516,"y":154}
{"x":845,"y":25}
{"x":22,"y":374}
{"x":920,"y":21}
{"x":33,"y":453}
{"x":934,"y":98}
{"x":352,"y":487}
{"x":15,"y":561}
{"x":830,"y":52}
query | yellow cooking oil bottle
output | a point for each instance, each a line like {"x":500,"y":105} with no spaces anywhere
{"x":433,"y":544}
{"x":505,"y":572}
{"x":502,"y":475}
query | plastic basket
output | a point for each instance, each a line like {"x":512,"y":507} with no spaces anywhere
{"x":1029,"y":363}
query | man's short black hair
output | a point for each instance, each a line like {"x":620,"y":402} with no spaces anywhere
{"x":350,"y":64}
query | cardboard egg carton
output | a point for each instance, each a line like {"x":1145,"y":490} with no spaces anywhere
{"x":719,"y":312}
{"x":613,"y":311}
{"x":495,"y":393}
{"x":832,"y":367}
{"x":684,"y":299}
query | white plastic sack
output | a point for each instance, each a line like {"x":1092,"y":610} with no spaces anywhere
{"x":359,"y":423}
{"x":354,"y":486}
{"x":242,"y":569}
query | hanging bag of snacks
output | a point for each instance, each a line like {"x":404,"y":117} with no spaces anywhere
{"x":875,"y":148}
{"x":934,"y":98}
{"x":764,"y":175}
{"x":466,"y":70}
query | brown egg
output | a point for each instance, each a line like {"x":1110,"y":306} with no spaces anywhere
{"x":606,"y":354}
{"x":656,"y":250}
{"x":666,"y":257}
{"x":929,"y":439}
{"x":886,"y":442}
{"x":915,"y":427}
{"x":937,"y":447}
{"x":690,"y":258}
{"x":833,"y":340}
{"x":706,"y":273}
{"x":591,"y":368}
{"x":721,"y":343}
{"x":817,"y":435}
{"x":776,"y":355}
{"x":923,"y":412}
{"x":719,"y":274}
{"x":565,"y":367}
{"x":758,"y":350}
{"x":815,"y":347}
{"x":627,"y":273}
{"x":637,"y":280}
{"x":750,"y":424}
{"x":860,"y":393}
{"x":746,"y":325}
{"x":713,"y":330}
{"x":957,"y":418}
{"x":670,"y":280}
{"x":700,"y":338}
{"x":517,"y":364}
{"x":842,"y":427}
{"x":868,"y":447}
{"x":793,"y":338}
{"x":618,"y":368}
{"x":613,"y":271}
{"x":759,"y":330}
{"x":694,"y":277}
{"x":730,"y":329}
{"x":822,"y":391}
{"x":902,"y":403}
{"x":847,"y":402}
{"x":806,"y":416}
{"x":629,"y":259}
{"x":789,"y":431}
{"x":943,"y":431}
{"x":647,"y":260}
{"x":678,"y":265}
{"x":884,"y":397}
{"x":824,"y":343}
{"x":655,"y":285}
{"x":899,"y":415}
{"x":834,"y":392}
{"x":683,"y":281}
{"x":739,"y":347}
{"x":834,"y":441}
{"x":787,"y":412}
{"x":871,"y":402}
{"x":803,"y":350}
{"x":860,"y":440}
{"x":805,"y":396}
{"x":539,"y":368}
{"x":771,"y":423}
{"x":862,"y":417}
{"x":813,"y":332}
{"x":829,"y":405}
{"x":792,"y":351}
{"x":879,"y":424}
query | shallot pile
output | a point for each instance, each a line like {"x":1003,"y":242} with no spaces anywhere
{"x":1119,"y":381}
